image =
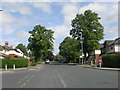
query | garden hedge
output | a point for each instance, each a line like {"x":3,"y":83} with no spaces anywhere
{"x":19,"y":62}
{"x":111,"y":60}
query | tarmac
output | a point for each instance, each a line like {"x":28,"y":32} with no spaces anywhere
{"x":84,"y":66}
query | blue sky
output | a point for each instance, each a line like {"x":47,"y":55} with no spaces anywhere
{"x":20,"y":17}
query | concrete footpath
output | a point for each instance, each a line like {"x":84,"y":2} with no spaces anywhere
{"x":11,"y":69}
{"x":100,"y":68}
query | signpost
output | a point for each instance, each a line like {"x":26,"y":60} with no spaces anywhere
{"x":82,"y":57}
{"x":97,"y":53}
{"x":100,"y":62}
{"x":6,"y":67}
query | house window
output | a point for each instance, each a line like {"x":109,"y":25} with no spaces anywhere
{"x":111,"y":48}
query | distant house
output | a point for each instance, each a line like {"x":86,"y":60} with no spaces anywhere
{"x":114,"y":47}
{"x":111,"y":46}
{"x":6,"y":50}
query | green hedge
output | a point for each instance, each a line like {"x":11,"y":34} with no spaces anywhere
{"x":111,"y":60}
{"x":20,"y":62}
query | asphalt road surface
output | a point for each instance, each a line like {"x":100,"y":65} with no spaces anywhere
{"x":56,"y":75}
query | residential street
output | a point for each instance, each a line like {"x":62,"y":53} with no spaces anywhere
{"x":56,"y":75}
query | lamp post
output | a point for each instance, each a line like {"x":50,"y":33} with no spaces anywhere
{"x":81,"y":47}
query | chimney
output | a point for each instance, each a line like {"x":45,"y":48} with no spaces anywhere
{"x":6,"y":43}
{"x":11,"y":47}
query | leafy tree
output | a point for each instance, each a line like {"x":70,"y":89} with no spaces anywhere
{"x":70,"y":49}
{"x":92,"y":31}
{"x":50,"y":56}
{"x":22,"y":48}
{"x":40,"y":42}
{"x":58,"y":56}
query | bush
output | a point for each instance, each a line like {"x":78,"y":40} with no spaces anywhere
{"x":111,"y":60}
{"x":33,"y":64}
{"x":19,"y":62}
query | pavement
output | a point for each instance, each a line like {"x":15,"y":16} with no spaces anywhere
{"x":58,"y":75}
{"x":16,"y":69}
{"x":85,"y":66}
{"x":94,"y":67}
{"x":100,"y":68}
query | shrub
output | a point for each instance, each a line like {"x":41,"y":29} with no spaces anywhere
{"x":111,"y":60}
{"x":33,"y":64}
{"x":19,"y":62}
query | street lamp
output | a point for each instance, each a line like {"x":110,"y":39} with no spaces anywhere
{"x":81,"y":47}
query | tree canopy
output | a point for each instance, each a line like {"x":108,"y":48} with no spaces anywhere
{"x":70,"y":49}
{"x":58,"y":56}
{"x":23,"y":48}
{"x":92,"y":31}
{"x":40,"y":42}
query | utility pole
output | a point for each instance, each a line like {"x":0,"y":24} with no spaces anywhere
{"x":81,"y":50}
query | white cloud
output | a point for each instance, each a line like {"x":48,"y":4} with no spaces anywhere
{"x":69,"y":11}
{"x":21,"y":8}
{"x":56,"y":48}
{"x":22,"y":35}
{"x":12,"y":41}
{"x":60,"y":31}
{"x":59,"y":1}
{"x":107,"y":11}
{"x":21,"y":23}
{"x":9,"y":23}
{"x":45,"y":7}
{"x":7,"y":29}
{"x":6,"y":17}
{"x":111,"y":33}
{"x":109,"y":16}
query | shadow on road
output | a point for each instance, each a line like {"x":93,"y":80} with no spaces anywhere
{"x":57,"y":63}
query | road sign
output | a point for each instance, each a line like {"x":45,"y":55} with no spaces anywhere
{"x":81,"y":56}
{"x":97,"y":51}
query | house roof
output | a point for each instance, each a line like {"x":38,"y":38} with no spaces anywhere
{"x":107,"y":42}
{"x":1,"y":48}
{"x":116,"y":41}
{"x":101,"y":45}
{"x":6,"y":47}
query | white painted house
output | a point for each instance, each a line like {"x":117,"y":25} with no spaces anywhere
{"x":114,"y":47}
{"x":14,"y":53}
{"x":111,"y":46}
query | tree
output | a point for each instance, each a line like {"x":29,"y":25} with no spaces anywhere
{"x":69,"y":49}
{"x":40,"y":42}
{"x":92,"y":31}
{"x":58,"y":56}
{"x":50,"y":56}
{"x":22,"y":48}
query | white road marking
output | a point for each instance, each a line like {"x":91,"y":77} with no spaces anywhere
{"x":7,"y":72}
{"x":32,"y":75}
{"x":26,"y":76}
{"x":22,"y":85}
{"x":62,"y":81}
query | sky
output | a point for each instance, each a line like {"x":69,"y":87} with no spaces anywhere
{"x":17,"y":18}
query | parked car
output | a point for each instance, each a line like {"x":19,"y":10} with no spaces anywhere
{"x":47,"y":61}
